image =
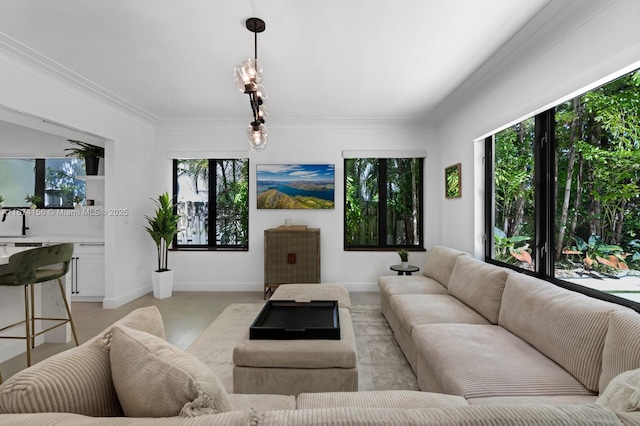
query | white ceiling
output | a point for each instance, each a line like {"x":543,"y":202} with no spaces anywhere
{"x":329,"y":59}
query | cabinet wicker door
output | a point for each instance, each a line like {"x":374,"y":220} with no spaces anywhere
{"x":291,"y":256}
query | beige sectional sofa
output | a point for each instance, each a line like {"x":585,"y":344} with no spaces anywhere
{"x":129,"y":375}
{"x":480,"y":331}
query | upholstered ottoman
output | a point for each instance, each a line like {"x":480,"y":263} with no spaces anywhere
{"x":291,"y":367}
{"x":309,"y":292}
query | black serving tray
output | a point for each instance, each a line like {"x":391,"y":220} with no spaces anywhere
{"x":289,"y":320}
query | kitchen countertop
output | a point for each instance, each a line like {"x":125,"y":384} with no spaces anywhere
{"x":50,"y":238}
{"x":5,"y":252}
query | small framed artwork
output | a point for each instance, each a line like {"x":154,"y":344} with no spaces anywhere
{"x":453,"y":181}
{"x":295,"y":186}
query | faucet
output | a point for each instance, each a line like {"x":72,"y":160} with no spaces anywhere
{"x":24,"y":219}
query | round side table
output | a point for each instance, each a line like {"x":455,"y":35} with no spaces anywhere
{"x":404,"y":271}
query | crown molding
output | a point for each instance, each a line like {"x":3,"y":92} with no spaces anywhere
{"x":297,"y":123}
{"x":31,"y":57}
{"x":51,"y":67}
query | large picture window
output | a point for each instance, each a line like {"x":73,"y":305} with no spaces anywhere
{"x":565,"y":198}
{"x":383,"y":203}
{"x":212,"y":197}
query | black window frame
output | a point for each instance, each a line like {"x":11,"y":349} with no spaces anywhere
{"x":544,"y":211}
{"x":211,"y":234}
{"x":382,"y":210}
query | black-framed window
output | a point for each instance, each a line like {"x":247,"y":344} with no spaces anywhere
{"x":215,"y":189}
{"x":383,"y":203}
{"x":53,"y":180}
{"x":563,"y":193}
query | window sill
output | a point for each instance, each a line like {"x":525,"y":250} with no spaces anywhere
{"x":387,"y":249}
{"x":188,"y":249}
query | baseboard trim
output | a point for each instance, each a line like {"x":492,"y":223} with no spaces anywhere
{"x":202,"y":286}
{"x":113,"y":303}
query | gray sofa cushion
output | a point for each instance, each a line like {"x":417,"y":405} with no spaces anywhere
{"x":439,"y":263}
{"x":478,"y":361}
{"x":419,"y":309}
{"x":390,"y":285}
{"x":479,"y":285}
{"x":621,"y":346}
{"x":567,"y":327}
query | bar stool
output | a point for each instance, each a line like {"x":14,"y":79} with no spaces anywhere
{"x":35,"y":266}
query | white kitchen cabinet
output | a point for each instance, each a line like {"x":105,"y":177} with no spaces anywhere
{"x":87,"y":272}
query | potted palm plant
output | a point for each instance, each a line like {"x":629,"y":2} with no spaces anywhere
{"x":91,"y":154}
{"x":163,"y":226}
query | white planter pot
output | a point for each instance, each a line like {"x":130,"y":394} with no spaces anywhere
{"x":405,"y":264}
{"x":162,"y":284}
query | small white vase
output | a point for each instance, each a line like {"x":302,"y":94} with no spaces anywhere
{"x":404,"y":264}
{"x":162,"y":284}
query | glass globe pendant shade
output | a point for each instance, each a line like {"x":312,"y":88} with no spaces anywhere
{"x":238,"y":78}
{"x":261,"y":92}
{"x":252,"y":68}
{"x":257,"y":136}
{"x":247,"y":75}
{"x":263,"y":113}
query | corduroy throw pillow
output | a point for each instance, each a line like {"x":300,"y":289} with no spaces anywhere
{"x":156,"y":379}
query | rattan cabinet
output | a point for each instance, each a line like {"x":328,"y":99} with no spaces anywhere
{"x":291,"y":255}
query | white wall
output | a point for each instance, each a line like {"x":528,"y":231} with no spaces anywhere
{"x":293,"y":143}
{"x":579,"y":47}
{"x":128,"y":143}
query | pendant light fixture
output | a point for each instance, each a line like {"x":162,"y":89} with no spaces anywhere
{"x":248,"y":78}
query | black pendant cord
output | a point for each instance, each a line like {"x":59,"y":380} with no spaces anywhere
{"x":256,"y":26}
{"x":253,"y":96}
{"x":255,"y":45}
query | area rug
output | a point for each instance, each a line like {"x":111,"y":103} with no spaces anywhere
{"x":381,"y":363}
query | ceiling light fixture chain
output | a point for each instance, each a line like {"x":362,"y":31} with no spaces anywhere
{"x":248,"y":78}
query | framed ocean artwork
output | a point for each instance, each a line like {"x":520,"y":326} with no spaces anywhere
{"x":295,"y":186}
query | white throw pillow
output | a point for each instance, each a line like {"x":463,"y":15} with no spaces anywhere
{"x":156,"y":379}
{"x":622,"y":393}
